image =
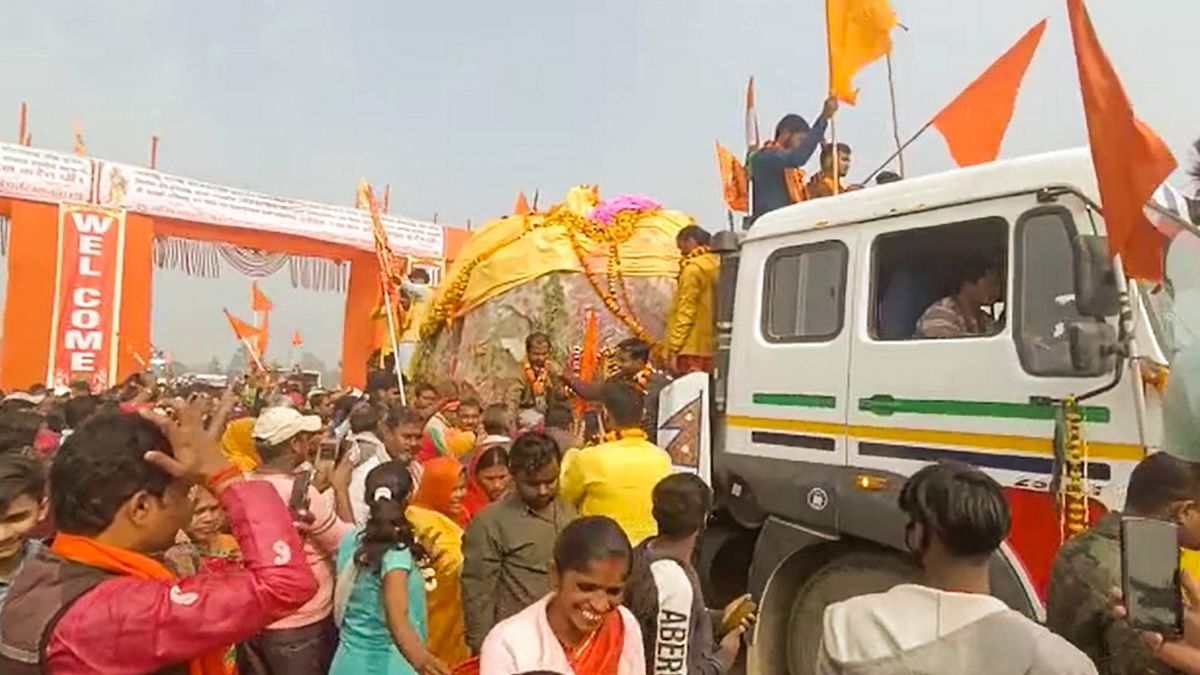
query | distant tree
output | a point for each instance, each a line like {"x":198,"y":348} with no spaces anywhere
{"x":239,"y":361}
{"x":214,"y":366}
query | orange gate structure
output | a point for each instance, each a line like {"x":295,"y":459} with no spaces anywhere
{"x":60,"y":207}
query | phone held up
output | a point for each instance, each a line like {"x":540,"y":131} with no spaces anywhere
{"x":1150,"y":577}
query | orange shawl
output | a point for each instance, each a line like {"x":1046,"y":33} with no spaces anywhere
{"x":600,"y":654}
{"x":87,"y":551}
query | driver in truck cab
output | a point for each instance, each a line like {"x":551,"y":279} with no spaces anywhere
{"x":961,"y":314}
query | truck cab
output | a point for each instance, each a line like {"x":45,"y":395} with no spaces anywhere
{"x":826,"y":397}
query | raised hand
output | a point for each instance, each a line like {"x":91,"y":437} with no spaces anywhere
{"x":196,"y":454}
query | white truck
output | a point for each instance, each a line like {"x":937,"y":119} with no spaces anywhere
{"x":823,"y":401}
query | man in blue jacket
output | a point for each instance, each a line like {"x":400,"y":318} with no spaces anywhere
{"x":776,"y":173}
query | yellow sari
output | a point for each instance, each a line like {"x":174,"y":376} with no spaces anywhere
{"x":442,"y":538}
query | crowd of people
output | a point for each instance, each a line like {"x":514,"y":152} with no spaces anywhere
{"x":164,"y":527}
{"x":160,"y":529}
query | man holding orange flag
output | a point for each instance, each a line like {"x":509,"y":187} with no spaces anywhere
{"x":776,"y":170}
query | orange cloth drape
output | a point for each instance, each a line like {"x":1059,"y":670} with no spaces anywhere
{"x":975,"y":122}
{"x":29,"y":304}
{"x":1131,"y":161}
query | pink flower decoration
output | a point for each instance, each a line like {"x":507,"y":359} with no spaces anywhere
{"x":606,"y":211}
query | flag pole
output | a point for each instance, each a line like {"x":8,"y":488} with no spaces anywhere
{"x":253,"y":354}
{"x":832,"y":123}
{"x":154,"y":151}
{"x":391,"y":319}
{"x":23,"y":124}
{"x":896,"y":154}
{"x":895,"y":116}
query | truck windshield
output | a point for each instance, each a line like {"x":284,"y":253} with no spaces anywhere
{"x":1175,"y":307}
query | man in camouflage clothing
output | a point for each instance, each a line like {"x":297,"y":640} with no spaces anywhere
{"x":1087,"y":568}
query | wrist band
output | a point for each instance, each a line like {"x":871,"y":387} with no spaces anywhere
{"x":213,"y":482}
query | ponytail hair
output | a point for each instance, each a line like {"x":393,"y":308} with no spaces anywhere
{"x":388,"y":487}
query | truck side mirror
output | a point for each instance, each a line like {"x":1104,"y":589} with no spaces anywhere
{"x":1093,"y":347}
{"x":1096,"y":292}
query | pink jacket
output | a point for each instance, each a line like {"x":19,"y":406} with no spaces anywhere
{"x":128,"y":625}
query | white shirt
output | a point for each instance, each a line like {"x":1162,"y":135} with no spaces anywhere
{"x":524,"y":642}
{"x":911,"y":626}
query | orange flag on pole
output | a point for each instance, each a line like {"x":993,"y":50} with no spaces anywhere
{"x":734,"y":184}
{"x":521,"y":208}
{"x":1131,"y":161}
{"x":241,"y":329}
{"x":859,"y":32}
{"x":259,"y":302}
{"x":297,"y":340}
{"x":80,"y":148}
{"x":975,"y":122}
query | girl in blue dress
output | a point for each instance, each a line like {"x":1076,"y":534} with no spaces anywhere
{"x":380,"y":600}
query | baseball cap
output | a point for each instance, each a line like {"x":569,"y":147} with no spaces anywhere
{"x":276,"y":425}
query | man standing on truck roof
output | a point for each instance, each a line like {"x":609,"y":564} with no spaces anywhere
{"x":690,"y":342}
{"x":777,"y":169}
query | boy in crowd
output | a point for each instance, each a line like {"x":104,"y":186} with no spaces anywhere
{"x":94,"y":601}
{"x":664,"y":590}
{"x":508,"y":545}
{"x":22,"y":506}
{"x":303,"y":642}
{"x":949,"y":623}
{"x":1088,"y":567}
{"x":616,"y":478}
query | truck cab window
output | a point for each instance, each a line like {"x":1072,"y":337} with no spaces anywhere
{"x":804,"y":297}
{"x":942,"y":282}
{"x":1046,"y":291}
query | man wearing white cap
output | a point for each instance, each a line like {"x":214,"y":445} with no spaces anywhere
{"x":305,"y":641}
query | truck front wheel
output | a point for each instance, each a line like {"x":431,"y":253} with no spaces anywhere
{"x":857,"y":572}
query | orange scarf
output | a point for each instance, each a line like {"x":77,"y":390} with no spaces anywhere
{"x":600,"y":653}
{"x":793,"y":179}
{"x":88,"y":551}
{"x":439,"y":480}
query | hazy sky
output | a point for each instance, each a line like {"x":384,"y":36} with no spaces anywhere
{"x":459,"y":105}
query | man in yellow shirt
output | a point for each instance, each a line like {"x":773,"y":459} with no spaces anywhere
{"x":690,"y":344}
{"x":617,"y":478}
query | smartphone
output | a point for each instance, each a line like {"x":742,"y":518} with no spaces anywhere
{"x":298,"y":501}
{"x":1150,"y":575}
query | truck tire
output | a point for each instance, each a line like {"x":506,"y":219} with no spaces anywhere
{"x":857,"y":572}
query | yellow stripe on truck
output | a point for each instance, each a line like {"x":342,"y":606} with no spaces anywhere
{"x":999,"y":443}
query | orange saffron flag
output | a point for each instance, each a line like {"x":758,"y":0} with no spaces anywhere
{"x":859,"y":32}
{"x":975,"y":122}
{"x":1131,"y":161}
{"x":259,"y":302}
{"x":241,"y":329}
{"x":80,"y":147}
{"x":297,"y":340}
{"x":589,"y":355}
{"x":734,"y":183}
{"x":521,"y":208}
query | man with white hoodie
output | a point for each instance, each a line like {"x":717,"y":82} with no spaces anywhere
{"x":949,"y":623}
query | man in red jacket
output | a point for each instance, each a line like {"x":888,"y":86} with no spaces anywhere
{"x":95,"y":602}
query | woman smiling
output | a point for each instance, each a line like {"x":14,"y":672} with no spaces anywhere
{"x":580,"y":627}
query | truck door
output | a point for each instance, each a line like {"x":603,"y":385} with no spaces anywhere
{"x":983,"y":398}
{"x":787,"y":394}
